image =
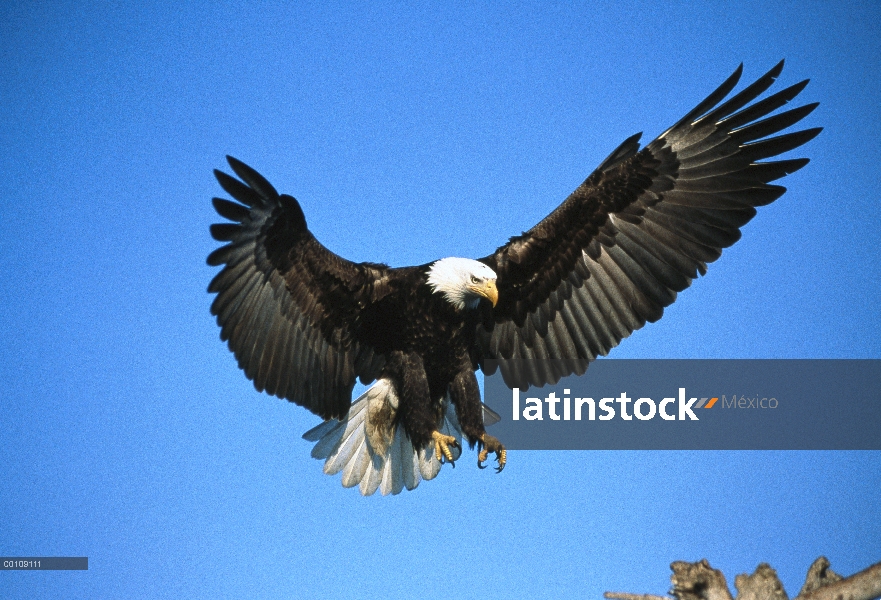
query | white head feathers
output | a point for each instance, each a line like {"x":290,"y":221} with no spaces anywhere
{"x":463,"y":281}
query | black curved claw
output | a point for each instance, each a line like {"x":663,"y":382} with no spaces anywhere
{"x":500,"y":456}
{"x":452,"y":463}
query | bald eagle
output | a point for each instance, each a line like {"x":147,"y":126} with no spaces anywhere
{"x":304,"y":323}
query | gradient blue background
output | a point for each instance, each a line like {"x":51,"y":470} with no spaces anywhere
{"x":408,"y":132}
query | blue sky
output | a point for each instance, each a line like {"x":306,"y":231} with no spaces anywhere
{"x":408,"y":132}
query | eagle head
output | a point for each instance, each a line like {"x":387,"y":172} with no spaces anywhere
{"x":463,"y":282}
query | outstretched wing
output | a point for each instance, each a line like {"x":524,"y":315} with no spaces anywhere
{"x":638,"y":230}
{"x":289,"y":307}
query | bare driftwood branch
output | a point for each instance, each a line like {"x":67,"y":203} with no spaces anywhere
{"x":819,"y":575}
{"x":699,"y":581}
{"x":761,"y":585}
{"x":865,"y":585}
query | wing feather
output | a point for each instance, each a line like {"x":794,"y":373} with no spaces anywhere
{"x":289,"y":308}
{"x":593,"y":303}
{"x":641,"y":228}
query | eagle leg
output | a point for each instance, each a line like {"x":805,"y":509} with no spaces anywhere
{"x":442,"y":445}
{"x":489,"y":444}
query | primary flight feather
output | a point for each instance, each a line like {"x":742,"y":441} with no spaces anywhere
{"x":304,"y":323}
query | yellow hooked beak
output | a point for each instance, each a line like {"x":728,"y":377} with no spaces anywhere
{"x":488,"y":290}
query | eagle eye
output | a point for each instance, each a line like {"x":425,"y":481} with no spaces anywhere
{"x":474,"y":279}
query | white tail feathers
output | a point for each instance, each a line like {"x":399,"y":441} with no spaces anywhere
{"x":374,"y":453}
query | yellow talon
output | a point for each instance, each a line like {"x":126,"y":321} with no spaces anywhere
{"x":491,"y":444}
{"x":442,"y":445}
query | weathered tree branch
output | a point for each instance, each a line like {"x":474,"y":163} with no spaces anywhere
{"x":699,"y":581}
{"x":865,"y":585}
{"x":761,"y":585}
